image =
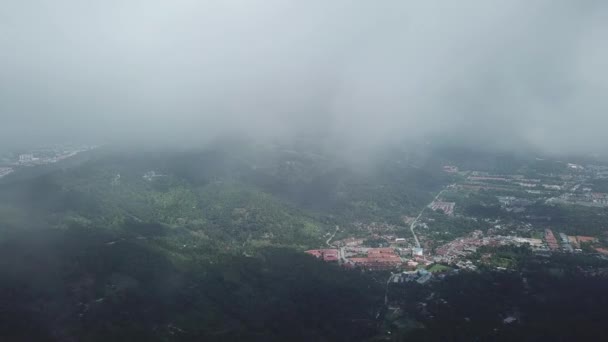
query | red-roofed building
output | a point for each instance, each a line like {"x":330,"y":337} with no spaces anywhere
{"x":315,"y":253}
{"x":325,"y":254}
{"x":602,"y":250}
{"x":378,"y":259}
{"x":586,"y":239}
{"x":450,"y":169}
{"x":551,"y":240}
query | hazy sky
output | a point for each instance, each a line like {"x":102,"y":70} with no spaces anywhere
{"x":504,"y":73}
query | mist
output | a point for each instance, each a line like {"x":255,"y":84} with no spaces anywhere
{"x":355,"y":75}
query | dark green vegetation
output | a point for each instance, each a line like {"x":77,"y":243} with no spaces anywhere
{"x":232,"y":194}
{"x":208,"y":248}
{"x":507,"y":257}
{"x":80,"y":284}
{"x":438,"y":268}
{"x":567,"y":218}
{"x":573,"y":220}
{"x":545,"y":300}
{"x":600,"y":185}
{"x":446,"y":228}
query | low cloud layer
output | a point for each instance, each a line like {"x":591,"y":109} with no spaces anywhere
{"x":508,"y":74}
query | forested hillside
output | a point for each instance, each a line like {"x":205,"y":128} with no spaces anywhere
{"x":193,"y":245}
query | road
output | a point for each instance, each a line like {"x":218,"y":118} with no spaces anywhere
{"x":386,"y":290}
{"x":332,"y":236}
{"x":413,"y":225}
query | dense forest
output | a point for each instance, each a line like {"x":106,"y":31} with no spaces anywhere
{"x":83,"y":284}
{"x":542,"y":299}
{"x":192,"y":245}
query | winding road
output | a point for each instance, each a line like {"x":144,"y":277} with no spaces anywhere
{"x":413,"y":225}
{"x":332,"y":236}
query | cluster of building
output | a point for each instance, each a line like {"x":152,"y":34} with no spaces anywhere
{"x":27,"y":158}
{"x":349,"y":242}
{"x":487,"y":178}
{"x":465,"y":265}
{"x":374,"y":227}
{"x":484,"y":181}
{"x":573,"y":243}
{"x":372,"y":258}
{"x":350,"y":253}
{"x":571,"y":185}
{"x":599,"y":171}
{"x":578,"y":240}
{"x":454,"y":251}
{"x":514,"y":204}
{"x":551,"y":240}
{"x":446,"y":207}
{"x":567,"y":246}
{"x":584,"y":197}
{"x":450,"y":169}
{"x":403,"y":254}
{"x":31,"y":159}
{"x":567,"y":243}
{"x":602,"y":251}
{"x":4,"y":171}
{"x":568,"y":187}
{"x":599,"y":198}
{"x":151,"y":175}
{"x":44,"y":156}
{"x":375,"y":259}
{"x":421,"y":276}
{"x":325,"y":254}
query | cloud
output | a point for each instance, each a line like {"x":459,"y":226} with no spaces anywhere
{"x":358,"y":74}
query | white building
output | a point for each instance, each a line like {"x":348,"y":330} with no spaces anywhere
{"x":26,"y":158}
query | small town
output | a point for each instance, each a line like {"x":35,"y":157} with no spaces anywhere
{"x":10,"y":162}
{"x":420,"y":255}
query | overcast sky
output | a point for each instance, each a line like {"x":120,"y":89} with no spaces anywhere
{"x":362,"y":73}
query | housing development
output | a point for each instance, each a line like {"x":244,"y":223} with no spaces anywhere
{"x":9,"y":162}
{"x":476,"y":214}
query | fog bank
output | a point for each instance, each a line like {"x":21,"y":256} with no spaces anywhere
{"x":357,"y":75}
